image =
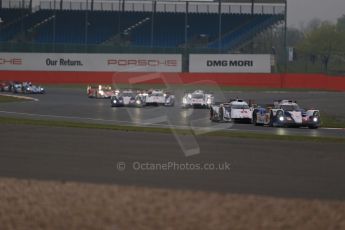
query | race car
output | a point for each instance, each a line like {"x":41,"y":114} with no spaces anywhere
{"x":236,"y":110}
{"x":17,"y":87}
{"x":197,"y":99}
{"x":27,"y":88}
{"x":127,"y":98}
{"x":100,"y":91}
{"x":6,"y":86}
{"x":158,"y":97}
{"x":286,"y":113}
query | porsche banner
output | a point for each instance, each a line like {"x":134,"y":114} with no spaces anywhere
{"x":91,"y":62}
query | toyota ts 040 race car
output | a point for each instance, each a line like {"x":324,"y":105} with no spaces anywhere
{"x":158,"y":97}
{"x":100,"y":91}
{"x":235,"y":110}
{"x":127,"y":98}
{"x":197,"y":99}
{"x":285,"y":113}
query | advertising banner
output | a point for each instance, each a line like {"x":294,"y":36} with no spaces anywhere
{"x":91,"y":62}
{"x":230,"y":63}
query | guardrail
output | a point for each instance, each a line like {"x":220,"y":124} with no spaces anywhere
{"x":17,"y":4}
{"x":167,"y":6}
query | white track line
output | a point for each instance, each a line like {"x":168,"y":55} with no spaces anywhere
{"x":20,"y":97}
{"x":93,"y":119}
{"x":197,"y":129}
{"x":335,"y":128}
{"x":133,"y":123}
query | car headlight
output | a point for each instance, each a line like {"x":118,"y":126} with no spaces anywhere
{"x":281,"y":118}
{"x":190,"y":96}
{"x":138,"y":102}
{"x":184,"y":101}
{"x":115,"y":101}
{"x":165,"y":95}
{"x":208,"y":101}
{"x":315,"y":119}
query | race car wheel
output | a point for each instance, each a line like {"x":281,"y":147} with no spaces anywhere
{"x":211,"y":114}
{"x":254,"y":119}
{"x":221,"y":114}
{"x":271,"y":119}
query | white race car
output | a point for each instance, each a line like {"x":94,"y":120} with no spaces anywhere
{"x":158,"y":97}
{"x":286,"y":113}
{"x":197,"y":99}
{"x":235,"y":110}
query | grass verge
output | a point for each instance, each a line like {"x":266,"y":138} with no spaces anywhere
{"x":6,"y":99}
{"x":32,"y":204}
{"x":127,"y":128}
{"x":331,"y":121}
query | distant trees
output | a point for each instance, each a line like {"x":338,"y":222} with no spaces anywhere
{"x":324,"y":41}
{"x":318,"y":46}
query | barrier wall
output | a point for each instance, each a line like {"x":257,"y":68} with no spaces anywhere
{"x":298,"y":81}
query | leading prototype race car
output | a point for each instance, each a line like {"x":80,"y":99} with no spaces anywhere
{"x":286,"y":113}
{"x":33,"y":89}
{"x":128,"y":98}
{"x":158,"y":97}
{"x":27,"y":88}
{"x":100,"y":91}
{"x":197,"y":99}
{"x":236,"y":110}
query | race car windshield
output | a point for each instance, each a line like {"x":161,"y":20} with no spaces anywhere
{"x":290,"y":107}
{"x":240,"y":107}
{"x":128,"y":94}
{"x":197,"y":96}
{"x":228,"y":109}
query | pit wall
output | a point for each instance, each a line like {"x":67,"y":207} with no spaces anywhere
{"x":273,"y":81}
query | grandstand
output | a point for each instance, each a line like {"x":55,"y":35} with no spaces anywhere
{"x":206,"y":25}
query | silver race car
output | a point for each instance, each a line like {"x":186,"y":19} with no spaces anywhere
{"x":235,"y":110}
{"x":33,"y":89}
{"x":197,"y":99}
{"x":27,"y":88}
{"x":286,"y":113}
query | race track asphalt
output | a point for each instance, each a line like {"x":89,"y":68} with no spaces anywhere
{"x":72,"y":104}
{"x":264,"y":167}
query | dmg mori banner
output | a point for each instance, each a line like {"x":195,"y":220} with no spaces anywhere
{"x":229,"y":63}
{"x":91,"y":62}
